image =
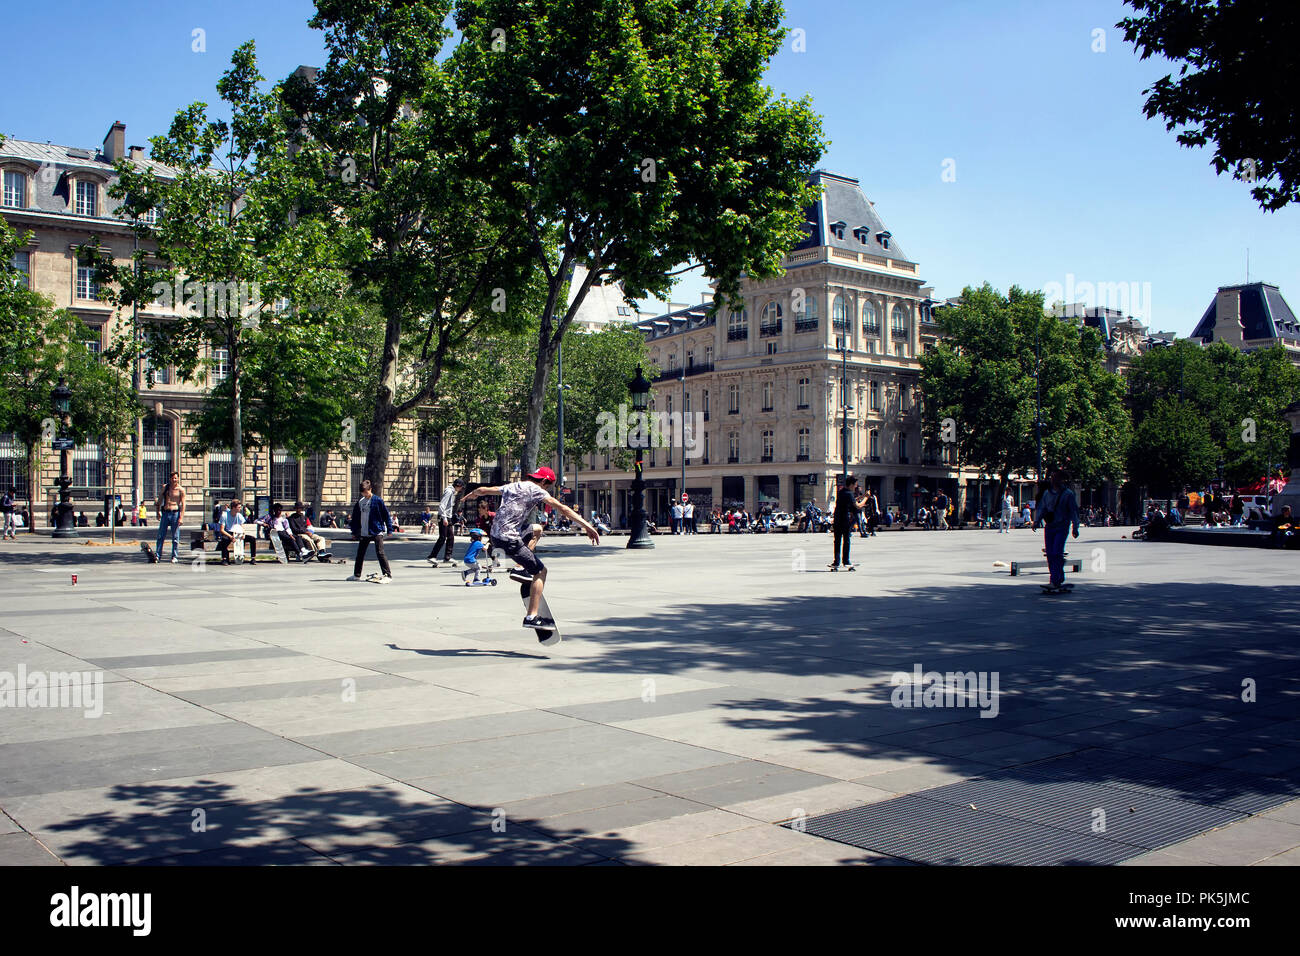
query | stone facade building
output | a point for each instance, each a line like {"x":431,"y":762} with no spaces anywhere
{"x":766,"y":383}
{"x":60,"y":195}
{"x":1249,"y":317}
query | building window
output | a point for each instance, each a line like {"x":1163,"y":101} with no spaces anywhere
{"x":87,"y":198}
{"x":804,"y":384}
{"x":770,"y":322}
{"x":22,"y":266}
{"x":15,"y":195}
{"x":771,"y":348}
{"x":837,"y":229}
{"x":13,"y":464}
{"x":221,"y":475}
{"x":875,"y":396}
{"x":769,"y":445}
{"x":87,"y":287}
{"x":690,"y":358}
{"x":738,"y":326}
{"x":672,"y":362}
{"x":807,"y":320}
{"x":870,"y":321}
{"x":88,"y":467}
{"x":874,"y":445}
{"x":624,"y":310}
{"x":902,"y":449}
{"x":156,"y":376}
{"x":156,"y":456}
{"x":706,"y":405}
{"x":708,"y":356}
{"x":883,"y":237}
{"x":706,"y":448}
{"x":220,"y":364}
{"x":898,"y":321}
{"x":733,"y":447}
{"x":805,"y":438}
{"x":733,"y":393}
{"x":767,"y":396}
{"x":840,"y":315}
{"x":95,"y":346}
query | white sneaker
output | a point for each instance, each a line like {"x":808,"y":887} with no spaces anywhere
{"x":176,"y":560}
{"x":382,"y":578}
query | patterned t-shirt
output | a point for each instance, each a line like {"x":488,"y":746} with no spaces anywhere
{"x":519,"y":500}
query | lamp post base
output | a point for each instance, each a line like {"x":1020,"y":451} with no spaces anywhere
{"x":639,"y":538}
{"x":67,"y":527}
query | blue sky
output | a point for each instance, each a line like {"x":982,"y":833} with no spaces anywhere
{"x":1059,"y":177}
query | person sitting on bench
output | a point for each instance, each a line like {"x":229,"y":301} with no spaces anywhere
{"x":276,"y":523}
{"x":231,"y":530}
{"x":308,"y":543}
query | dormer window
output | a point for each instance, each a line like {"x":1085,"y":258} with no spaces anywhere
{"x":883,"y":238}
{"x":837,"y":229}
{"x":15,"y":189}
{"x":862,"y":235}
{"x":87,"y":203}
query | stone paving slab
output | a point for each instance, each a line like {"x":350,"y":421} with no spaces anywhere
{"x":705,"y":693}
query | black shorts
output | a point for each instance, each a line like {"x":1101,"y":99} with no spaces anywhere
{"x":518,"y":550}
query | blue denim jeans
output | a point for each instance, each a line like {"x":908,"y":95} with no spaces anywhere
{"x":1054,"y":544}
{"x":170,"y":519}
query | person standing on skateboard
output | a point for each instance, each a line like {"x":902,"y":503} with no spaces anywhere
{"x":370,"y":522}
{"x":519,"y":499}
{"x":1057,"y":512}
{"x":847,"y":506}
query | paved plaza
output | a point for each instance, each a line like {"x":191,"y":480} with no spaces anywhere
{"x":712,"y":700}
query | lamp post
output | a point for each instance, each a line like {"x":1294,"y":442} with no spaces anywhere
{"x":845,"y":406}
{"x":62,"y":396}
{"x":1038,"y":411}
{"x":681,"y":495}
{"x":640,"y":389}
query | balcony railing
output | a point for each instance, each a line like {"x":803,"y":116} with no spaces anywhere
{"x":733,"y":459}
{"x":769,"y":329}
{"x":873,"y":329}
{"x":736,"y":335}
{"x":805,"y":325}
{"x":800,"y":457}
{"x":699,"y":368}
{"x":765,"y":458}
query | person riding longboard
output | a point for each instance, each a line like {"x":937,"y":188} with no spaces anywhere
{"x":519,"y":499}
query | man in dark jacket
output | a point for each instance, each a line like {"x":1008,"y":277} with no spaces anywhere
{"x":370,"y":522}
{"x":847,"y":506}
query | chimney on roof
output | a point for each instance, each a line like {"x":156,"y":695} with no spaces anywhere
{"x":115,"y":142}
{"x":706,"y":298}
{"x":1227,"y":317}
{"x":676,"y":306}
{"x":137,"y":153}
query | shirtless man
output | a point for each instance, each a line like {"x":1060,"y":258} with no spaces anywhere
{"x":170,"y":507}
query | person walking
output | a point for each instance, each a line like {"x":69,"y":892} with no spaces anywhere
{"x":847,"y":506}
{"x":1058,"y":513}
{"x":446,"y":528}
{"x":941,"y":512}
{"x":1008,"y":509}
{"x":170,"y":508}
{"x":871,"y":508}
{"x":370,"y":522}
{"x":7,"y":509}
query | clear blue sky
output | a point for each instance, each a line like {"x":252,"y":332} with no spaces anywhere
{"x":1058,"y":173}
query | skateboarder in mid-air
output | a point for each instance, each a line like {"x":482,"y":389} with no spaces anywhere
{"x":513,"y":532}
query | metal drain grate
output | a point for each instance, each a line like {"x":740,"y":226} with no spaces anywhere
{"x":924,"y":831}
{"x":1046,"y":813}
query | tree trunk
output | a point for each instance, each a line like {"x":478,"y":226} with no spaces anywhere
{"x":236,"y":412}
{"x":379,"y":444}
{"x":536,"y":405}
{"x":317,"y":499}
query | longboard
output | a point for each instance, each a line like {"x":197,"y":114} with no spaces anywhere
{"x":843,"y":567}
{"x":545,"y":635}
{"x":277,"y":546}
{"x":148,"y":552}
{"x":1055,"y":589}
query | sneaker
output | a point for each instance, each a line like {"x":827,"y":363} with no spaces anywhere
{"x":354,"y":577}
{"x":520,"y":575}
{"x":464,"y":575}
{"x":539,"y":621}
{"x":432,"y":561}
{"x":382,"y":578}
{"x":175,"y":560}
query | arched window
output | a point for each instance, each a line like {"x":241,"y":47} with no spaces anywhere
{"x":770,"y":321}
{"x":737,"y":326}
{"x":840,"y":314}
{"x":807,"y":320}
{"x":870,"y":321}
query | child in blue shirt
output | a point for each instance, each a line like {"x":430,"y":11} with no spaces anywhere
{"x":471,"y":556}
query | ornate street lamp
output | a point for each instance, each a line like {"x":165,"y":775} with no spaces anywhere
{"x":845,"y":405}
{"x":62,"y":397}
{"x":637,"y":442}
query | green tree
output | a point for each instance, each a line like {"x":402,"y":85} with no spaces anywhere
{"x":232,"y":237}
{"x":1001,"y":357}
{"x":1171,"y":448}
{"x":634,"y":136}
{"x":1238,"y":60}
{"x":441,"y":263}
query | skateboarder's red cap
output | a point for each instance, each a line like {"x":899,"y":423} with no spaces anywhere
{"x":543,"y":474}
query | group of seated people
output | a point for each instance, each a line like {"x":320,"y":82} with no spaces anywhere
{"x":294,"y":531}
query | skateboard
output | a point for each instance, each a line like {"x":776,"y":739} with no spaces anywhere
{"x":842,"y":567}
{"x":545,"y":635}
{"x":149,"y":552}
{"x":375,"y":577}
{"x":238,"y":546}
{"x":278,"y":547}
{"x":1054,"y":589}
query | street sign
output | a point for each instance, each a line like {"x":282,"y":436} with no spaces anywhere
{"x":63,"y":444}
